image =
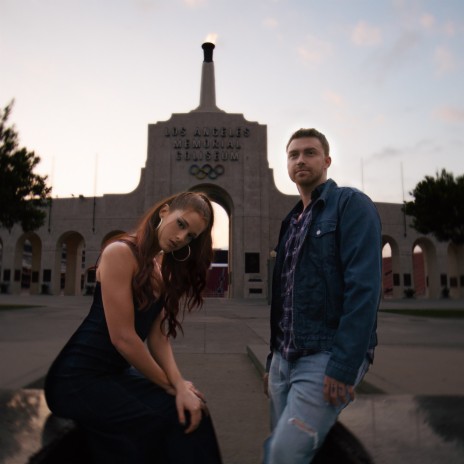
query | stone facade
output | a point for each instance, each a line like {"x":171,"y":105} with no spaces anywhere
{"x":225,"y":156}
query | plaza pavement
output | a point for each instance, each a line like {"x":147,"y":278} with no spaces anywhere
{"x":223,"y":352}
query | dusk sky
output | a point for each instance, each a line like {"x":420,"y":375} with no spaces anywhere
{"x":383,"y":79}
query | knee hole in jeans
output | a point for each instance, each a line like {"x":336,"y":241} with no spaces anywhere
{"x":306,"y":429}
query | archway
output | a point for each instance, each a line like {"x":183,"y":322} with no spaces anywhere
{"x":426,"y":280}
{"x":69,"y":264}
{"x":89,"y":277}
{"x":28,"y":255}
{"x":456,"y":270}
{"x":2,"y":285}
{"x":219,"y":282}
{"x":419,"y":271}
{"x":387,"y":271}
{"x":391,"y":284}
{"x":110,"y":235}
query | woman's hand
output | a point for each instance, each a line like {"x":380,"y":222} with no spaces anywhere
{"x":172,"y":391}
{"x":197,"y":392}
{"x":188,"y":400}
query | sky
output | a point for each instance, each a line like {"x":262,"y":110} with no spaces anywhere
{"x":383,"y":79}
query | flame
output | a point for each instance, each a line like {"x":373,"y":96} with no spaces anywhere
{"x":211,"y":37}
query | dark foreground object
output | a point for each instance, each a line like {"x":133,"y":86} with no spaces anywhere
{"x":342,"y":447}
{"x":30,"y":434}
{"x":375,"y":429}
{"x":69,"y":447}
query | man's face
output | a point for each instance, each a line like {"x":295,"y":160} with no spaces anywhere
{"x":306,"y":162}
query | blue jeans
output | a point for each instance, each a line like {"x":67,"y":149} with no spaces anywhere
{"x":300,"y":417}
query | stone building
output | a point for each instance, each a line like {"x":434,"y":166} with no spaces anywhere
{"x":225,"y":156}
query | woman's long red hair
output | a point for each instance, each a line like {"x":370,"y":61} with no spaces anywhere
{"x":183,"y":282}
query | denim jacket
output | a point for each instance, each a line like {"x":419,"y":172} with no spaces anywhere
{"x":337,"y":282}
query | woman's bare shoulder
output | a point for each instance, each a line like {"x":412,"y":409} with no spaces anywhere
{"x":117,"y":247}
{"x":118,"y":252}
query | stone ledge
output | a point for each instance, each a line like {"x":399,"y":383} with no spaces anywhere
{"x":30,"y":434}
{"x":413,"y":429}
{"x":27,"y":425}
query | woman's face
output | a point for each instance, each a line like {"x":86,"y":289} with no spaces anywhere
{"x":179,"y":227}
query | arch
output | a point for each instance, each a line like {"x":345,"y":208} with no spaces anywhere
{"x":419,"y":271}
{"x":391,"y":268}
{"x":221,"y":227}
{"x":89,"y":278}
{"x":69,"y":264}
{"x":429,"y":270}
{"x":455,"y":268}
{"x":110,"y":235}
{"x":223,"y":199}
{"x":216,"y":194}
{"x":3,"y":285}
{"x":27,"y":263}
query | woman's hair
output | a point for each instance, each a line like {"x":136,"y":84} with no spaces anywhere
{"x":183,"y":282}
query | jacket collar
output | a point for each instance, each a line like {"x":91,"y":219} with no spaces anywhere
{"x":322,"y":191}
{"x":319,"y":194}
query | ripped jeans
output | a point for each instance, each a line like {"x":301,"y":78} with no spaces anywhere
{"x":300,"y":417}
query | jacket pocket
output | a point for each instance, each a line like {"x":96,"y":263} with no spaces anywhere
{"x":323,"y":242}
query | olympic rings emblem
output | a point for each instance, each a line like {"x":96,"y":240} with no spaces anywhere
{"x":206,"y":171}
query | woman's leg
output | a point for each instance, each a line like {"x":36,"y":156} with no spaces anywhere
{"x":129,"y":419}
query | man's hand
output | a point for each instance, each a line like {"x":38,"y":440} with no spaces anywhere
{"x":266,"y":383}
{"x":336,"y":392}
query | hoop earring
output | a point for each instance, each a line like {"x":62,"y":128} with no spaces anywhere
{"x":184,"y":259}
{"x":159,"y":224}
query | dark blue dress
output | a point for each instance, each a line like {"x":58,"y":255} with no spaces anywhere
{"x":127,"y":418}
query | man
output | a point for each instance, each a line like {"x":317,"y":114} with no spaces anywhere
{"x":325,"y":295}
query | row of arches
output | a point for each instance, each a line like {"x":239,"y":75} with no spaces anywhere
{"x":419,"y":273}
{"x":69,"y":270}
{"x":66,"y":271}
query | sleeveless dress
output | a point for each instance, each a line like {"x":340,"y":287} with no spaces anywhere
{"x":127,"y":418}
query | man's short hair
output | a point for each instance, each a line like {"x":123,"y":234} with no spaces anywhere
{"x":301,"y":133}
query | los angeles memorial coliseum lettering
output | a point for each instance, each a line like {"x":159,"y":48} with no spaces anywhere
{"x":207,"y":143}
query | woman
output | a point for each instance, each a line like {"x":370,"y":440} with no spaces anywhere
{"x":128,"y":395}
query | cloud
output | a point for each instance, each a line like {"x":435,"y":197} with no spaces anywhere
{"x":365,"y":35}
{"x":444,"y":60}
{"x":333,"y":98}
{"x":450,"y":114}
{"x":270,"y":23}
{"x":314,"y":50}
{"x":146,"y":5}
{"x":425,"y":146}
{"x":397,"y":54}
{"x":386,"y":153}
{"x":427,"y":20}
{"x":194,"y":3}
{"x":417,"y":149}
{"x":449,"y":29}
{"x":429,"y":23}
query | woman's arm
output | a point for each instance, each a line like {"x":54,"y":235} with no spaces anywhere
{"x":187,"y":397}
{"x":115,"y":272}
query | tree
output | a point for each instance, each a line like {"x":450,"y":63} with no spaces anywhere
{"x":438,"y":207}
{"x":23,"y":194}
